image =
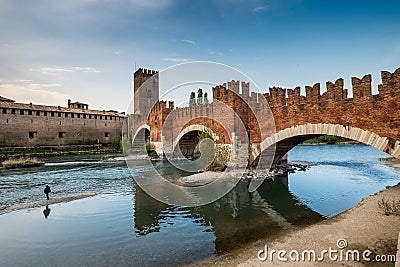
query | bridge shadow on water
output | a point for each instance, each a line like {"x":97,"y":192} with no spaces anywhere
{"x":237,"y":218}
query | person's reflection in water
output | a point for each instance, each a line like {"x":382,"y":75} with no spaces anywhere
{"x":46,"y":211}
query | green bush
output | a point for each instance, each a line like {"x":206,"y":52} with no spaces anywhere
{"x":117,"y":145}
{"x":151,"y":150}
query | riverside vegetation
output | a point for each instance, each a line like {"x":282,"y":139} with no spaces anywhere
{"x":114,"y":147}
{"x":22,"y":162}
{"x":329,"y":139}
{"x":389,"y":207}
{"x":222,"y":153}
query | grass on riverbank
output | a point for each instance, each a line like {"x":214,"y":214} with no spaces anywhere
{"x":328,"y":139}
{"x":54,"y":151}
{"x":23,"y":162}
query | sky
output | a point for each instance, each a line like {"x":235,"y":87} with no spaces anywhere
{"x":87,"y":50}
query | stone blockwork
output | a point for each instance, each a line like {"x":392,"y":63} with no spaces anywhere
{"x":371,"y":119}
{"x":29,"y":125}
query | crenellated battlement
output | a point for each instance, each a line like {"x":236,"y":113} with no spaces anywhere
{"x":147,"y":72}
{"x":163,"y":106}
{"x":290,"y":107}
{"x":390,"y":82}
{"x":361,"y":88}
{"x":192,"y":111}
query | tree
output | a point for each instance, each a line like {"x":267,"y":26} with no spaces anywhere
{"x":192,"y":99}
{"x":206,"y":98}
{"x":200,"y":96}
{"x":221,"y":153}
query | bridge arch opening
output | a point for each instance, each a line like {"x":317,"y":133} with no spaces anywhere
{"x":286,"y":139}
{"x":188,"y":145}
{"x":141,"y":139}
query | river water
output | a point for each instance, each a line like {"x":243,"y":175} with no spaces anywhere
{"x":98,"y":216}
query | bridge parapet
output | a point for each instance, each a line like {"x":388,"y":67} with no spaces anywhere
{"x":378,"y":113}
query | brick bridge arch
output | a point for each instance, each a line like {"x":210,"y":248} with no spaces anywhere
{"x":192,"y":128}
{"x":286,"y":139}
{"x":186,"y":142}
{"x":140,"y":128}
{"x":203,"y":124}
{"x":373,"y":119}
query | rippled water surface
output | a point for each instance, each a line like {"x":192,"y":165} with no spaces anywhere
{"x":121,"y":225}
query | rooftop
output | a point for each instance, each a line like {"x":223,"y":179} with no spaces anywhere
{"x":3,"y":99}
{"x":8,"y":103}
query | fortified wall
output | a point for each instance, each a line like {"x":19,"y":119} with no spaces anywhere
{"x":30,"y":125}
{"x":379,"y":113}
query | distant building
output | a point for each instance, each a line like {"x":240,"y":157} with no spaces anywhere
{"x":3,"y":99}
{"x":30,"y":125}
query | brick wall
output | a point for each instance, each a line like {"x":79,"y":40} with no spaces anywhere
{"x":378,"y":113}
{"x":27,"y":125}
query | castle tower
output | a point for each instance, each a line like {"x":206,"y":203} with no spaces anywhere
{"x":145,"y":98}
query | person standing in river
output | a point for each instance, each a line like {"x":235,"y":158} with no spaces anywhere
{"x":47,"y":190}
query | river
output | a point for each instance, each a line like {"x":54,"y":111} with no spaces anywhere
{"x":98,"y":216}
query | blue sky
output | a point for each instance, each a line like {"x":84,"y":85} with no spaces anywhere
{"x":86,"y":50}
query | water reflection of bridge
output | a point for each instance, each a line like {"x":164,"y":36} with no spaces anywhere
{"x":238,"y":217}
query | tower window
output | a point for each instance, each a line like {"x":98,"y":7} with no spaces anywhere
{"x":32,"y":135}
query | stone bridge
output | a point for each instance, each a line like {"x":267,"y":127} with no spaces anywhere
{"x":280,"y":119}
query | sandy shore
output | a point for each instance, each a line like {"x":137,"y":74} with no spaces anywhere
{"x":363,"y":227}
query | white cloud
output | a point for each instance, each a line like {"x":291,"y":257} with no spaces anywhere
{"x":189,"y":41}
{"x":216,"y":53}
{"x":32,"y":94}
{"x":47,"y":70}
{"x":41,"y":85}
{"x":24,"y":81}
{"x":53,"y":71}
{"x":177,"y":59}
{"x":86,"y":69}
{"x":151,"y":4}
{"x":260,"y":9}
{"x":137,"y":6}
